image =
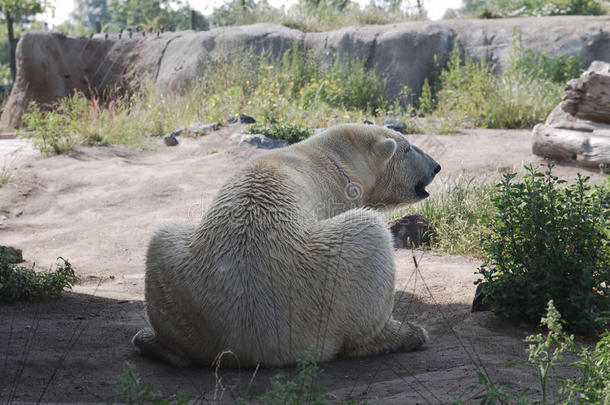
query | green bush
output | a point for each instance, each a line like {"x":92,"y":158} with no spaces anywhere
{"x":549,"y":242}
{"x":21,"y":283}
{"x":593,"y":386}
{"x":288,"y":132}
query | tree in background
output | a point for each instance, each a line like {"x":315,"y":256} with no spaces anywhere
{"x":511,"y":8}
{"x":18,"y":11}
{"x":87,"y":12}
{"x":155,"y":14}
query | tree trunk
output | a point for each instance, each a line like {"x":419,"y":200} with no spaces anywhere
{"x":11,"y":46}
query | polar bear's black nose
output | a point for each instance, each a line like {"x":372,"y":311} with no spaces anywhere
{"x":437,"y":168}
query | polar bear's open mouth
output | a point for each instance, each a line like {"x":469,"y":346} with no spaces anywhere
{"x":420,"y":190}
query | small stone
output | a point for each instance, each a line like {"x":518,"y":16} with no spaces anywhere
{"x":13,"y":255}
{"x":170,"y":140}
{"x":407,"y":231}
{"x":246,"y":119}
{"x":202,"y":128}
{"x":396,"y":125}
{"x":367,"y":122}
{"x":258,"y":141}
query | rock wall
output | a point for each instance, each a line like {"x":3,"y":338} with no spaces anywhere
{"x":51,"y":65}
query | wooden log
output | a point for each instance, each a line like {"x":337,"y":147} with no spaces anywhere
{"x":585,"y":148}
{"x":588,"y":97}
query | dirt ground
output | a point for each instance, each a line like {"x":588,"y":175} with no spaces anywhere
{"x":97,"y":207}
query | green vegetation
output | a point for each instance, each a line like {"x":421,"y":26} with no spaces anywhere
{"x":304,"y":388}
{"x":21,"y":283}
{"x":5,"y":173}
{"x":549,"y":241}
{"x":468,"y":93}
{"x":312,"y":15}
{"x":133,"y":392}
{"x":456,"y":217}
{"x":18,"y":12}
{"x":544,"y":354}
{"x":294,"y":90}
{"x":288,"y":132}
{"x":76,"y":121}
{"x":537,"y":8}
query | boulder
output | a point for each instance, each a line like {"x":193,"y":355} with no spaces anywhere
{"x":258,"y":141}
{"x":246,"y":119}
{"x":407,"y":231}
{"x":51,"y":65}
{"x":170,"y":140}
{"x":202,"y":128}
{"x":395,"y":125}
{"x":568,"y":134}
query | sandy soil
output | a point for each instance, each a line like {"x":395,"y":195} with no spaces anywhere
{"x":97,"y":208}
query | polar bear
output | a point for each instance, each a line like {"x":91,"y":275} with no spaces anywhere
{"x":289,"y":257}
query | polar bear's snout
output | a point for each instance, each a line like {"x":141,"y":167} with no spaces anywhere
{"x":420,"y":187}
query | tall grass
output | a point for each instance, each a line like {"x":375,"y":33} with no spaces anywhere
{"x":457,"y":216}
{"x":470,"y":94}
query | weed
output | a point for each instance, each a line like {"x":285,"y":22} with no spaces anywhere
{"x":559,"y":69}
{"x":289,"y":132}
{"x":21,"y":283}
{"x":549,"y":241}
{"x":469,"y":93}
{"x":5,"y":173}
{"x":303,"y":389}
{"x":544,"y":353}
{"x":133,"y":392}
{"x":593,"y":386}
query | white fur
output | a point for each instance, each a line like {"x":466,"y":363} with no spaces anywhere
{"x":288,"y":257}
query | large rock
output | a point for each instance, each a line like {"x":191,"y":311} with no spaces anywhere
{"x":567,"y":137}
{"x":51,"y":65}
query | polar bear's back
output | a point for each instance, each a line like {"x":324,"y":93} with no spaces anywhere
{"x":245,"y":255}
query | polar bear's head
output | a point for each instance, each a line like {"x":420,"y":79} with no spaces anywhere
{"x":406,"y":174}
{"x":383,"y":165}
{"x":393,"y":172}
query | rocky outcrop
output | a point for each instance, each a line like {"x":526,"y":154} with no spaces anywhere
{"x":51,"y":65}
{"x":578,"y":129}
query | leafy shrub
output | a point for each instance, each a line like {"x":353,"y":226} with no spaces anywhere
{"x":51,"y":134}
{"x":456,"y":216}
{"x":544,"y":353}
{"x":549,"y":242}
{"x":133,"y":392}
{"x":21,"y":283}
{"x":593,"y":386}
{"x":289,"y":132}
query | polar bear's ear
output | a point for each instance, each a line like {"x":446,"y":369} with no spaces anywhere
{"x":386,"y":148}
